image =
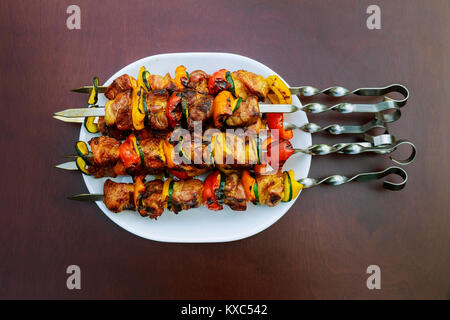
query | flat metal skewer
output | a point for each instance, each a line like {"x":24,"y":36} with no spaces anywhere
{"x":100,"y":111}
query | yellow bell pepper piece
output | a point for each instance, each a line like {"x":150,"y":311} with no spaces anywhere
{"x":165,"y":192}
{"x":296,"y":186}
{"x":279,"y":92}
{"x":138,"y":113}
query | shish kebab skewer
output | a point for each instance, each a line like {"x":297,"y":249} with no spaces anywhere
{"x":245,"y":84}
{"x":228,"y":152}
{"x":241,"y":77}
{"x":153,"y":197}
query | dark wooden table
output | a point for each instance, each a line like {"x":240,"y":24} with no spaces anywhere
{"x":321,"y":248}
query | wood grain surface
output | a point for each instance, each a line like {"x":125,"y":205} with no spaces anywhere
{"x":321,"y":248}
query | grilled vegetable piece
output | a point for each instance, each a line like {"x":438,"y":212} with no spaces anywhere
{"x":275,"y":121}
{"x":82,"y":166}
{"x":173,"y":110}
{"x":279,"y":92}
{"x":218,"y":82}
{"x":83,"y":151}
{"x":129,"y":153}
{"x":93,"y":98}
{"x":222,"y":108}
{"x":90,"y":125}
{"x":138,"y":113}
{"x":181,"y":78}
{"x":248,"y":183}
{"x":211,"y":191}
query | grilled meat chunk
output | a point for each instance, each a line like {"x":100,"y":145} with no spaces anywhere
{"x":156,"y":104}
{"x":199,"y":107}
{"x":246,"y":114}
{"x":118,"y":196}
{"x":198,"y":81}
{"x":187,"y":194}
{"x":118,"y":111}
{"x":158,"y":82}
{"x":234,"y":193}
{"x":121,"y":84}
{"x":151,"y":199}
{"x":270,"y":188}
{"x":105,"y":151}
{"x":112,"y":131}
{"x":153,"y":151}
{"x":247,"y":83}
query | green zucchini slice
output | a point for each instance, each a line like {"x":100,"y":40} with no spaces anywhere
{"x":220,"y":195}
{"x":255,"y":189}
{"x":83,"y":151}
{"x":169,"y":202}
{"x":290,"y":187}
{"x":89,"y":123}
{"x":93,"y":98}
{"x":82,"y":166}
{"x":229,"y":79}
{"x":144,"y":79}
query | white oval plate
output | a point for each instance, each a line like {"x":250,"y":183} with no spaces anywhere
{"x":201,"y":224}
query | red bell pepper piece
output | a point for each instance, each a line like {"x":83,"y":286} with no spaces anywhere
{"x":173,"y":109}
{"x":275,"y":121}
{"x":218,"y":82}
{"x":128,"y":154}
{"x":211,"y":184}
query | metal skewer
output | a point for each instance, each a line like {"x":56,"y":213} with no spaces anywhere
{"x":382,"y":144}
{"x":308,"y":91}
{"x":100,"y":111}
{"x":334,"y":180}
{"x":339,"y":92}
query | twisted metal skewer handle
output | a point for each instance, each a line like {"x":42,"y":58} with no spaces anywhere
{"x":337,"y":180}
{"x":360,"y":147}
{"x":337,"y":128}
{"x":338,"y":92}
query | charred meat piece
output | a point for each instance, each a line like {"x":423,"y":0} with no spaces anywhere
{"x":245,"y":115}
{"x":121,"y":84}
{"x":199,"y":107}
{"x":118,"y":196}
{"x":101,"y":172}
{"x":234,"y":193}
{"x":198,"y":81}
{"x":105,"y":151}
{"x":112,"y":131}
{"x":118,"y":112}
{"x":186,"y":194}
{"x":153,"y":151}
{"x":247,"y":83}
{"x":151,"y":199}
{"x":156,"y":104}
{"x":158,"y":82}
{"x":270,"y":188}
